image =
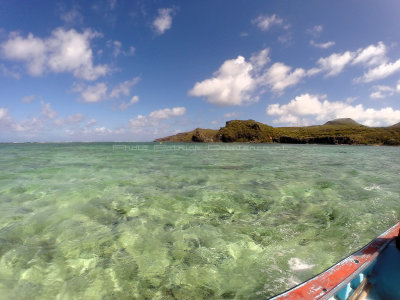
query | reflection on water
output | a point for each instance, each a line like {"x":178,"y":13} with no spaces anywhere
{"x":86,"y":221}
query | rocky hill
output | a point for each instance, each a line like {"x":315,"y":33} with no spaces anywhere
{"x":339,"y":131}
{"x":343,"y":121}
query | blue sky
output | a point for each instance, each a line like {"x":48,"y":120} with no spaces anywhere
{"x":114,"y":70}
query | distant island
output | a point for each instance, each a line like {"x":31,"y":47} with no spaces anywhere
{"x":335,"y":132}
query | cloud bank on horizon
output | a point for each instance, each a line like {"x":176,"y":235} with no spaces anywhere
{"x":119,"y":71}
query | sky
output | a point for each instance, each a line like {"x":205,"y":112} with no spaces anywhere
{"x":119,"y":70}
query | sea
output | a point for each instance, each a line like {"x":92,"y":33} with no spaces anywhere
{"x":185,"y":221}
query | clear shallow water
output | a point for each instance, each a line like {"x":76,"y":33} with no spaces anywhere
{"x":86,"y":221}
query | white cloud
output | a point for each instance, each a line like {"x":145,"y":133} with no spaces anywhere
{"x":382,"y":71}
{"x":32,"y":50}
{"x":98,"y":92}
{"x":117,"y":49}
{"x":28,"y":99}
{"x":102,"y":130}
{"x":280,"y":76}
{"x":72,"y":16}
{"x":285,"y":38}
{"x":124,"y":88}
{"x":9,"y":73}
{"x":9,"y":125}
{"x":3,"y":113}
{"x":131,"y":51}
{"x":138,"y":122}
{"x":310,"y":109}
{"x":322,"y":45}
{"x":264,"y":22}
{"x":152,"y":122}
{"x":91,"y":122}
{"x":93,"y":93}
{"x":371,"y":55}
{"x":30,"y":125}
{"x":125,"y":105}
{"x":231,"y":115}
{"x":163,"y":21}
{"x":232,"y":84}
{"x":75,"y":118}
{"x":167,"y":113}
{"x":335,"y":63}
{"x":238,"y":81}
{"x":260,"y":59}
{"x":117,"y":45}
{"x":382,"y":91}
{"x":63,"y":51}
{"x":315,"y":31}
{"x":47,"y":111}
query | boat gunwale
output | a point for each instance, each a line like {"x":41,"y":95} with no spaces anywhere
{"x":330,"y":281}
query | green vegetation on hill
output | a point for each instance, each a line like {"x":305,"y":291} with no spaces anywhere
{"x":339,"y":131}
{"x":197,"y":135}
{"x":397,"y":125}
{"x":343,"y":121}
{"x":246,"y":131}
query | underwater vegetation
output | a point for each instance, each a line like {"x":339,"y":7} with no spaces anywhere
{"x":86,"y":221}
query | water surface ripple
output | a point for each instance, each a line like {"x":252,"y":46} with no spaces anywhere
{"x":89,"y":221}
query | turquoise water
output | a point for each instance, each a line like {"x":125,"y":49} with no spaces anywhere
{"x":148,"y":221}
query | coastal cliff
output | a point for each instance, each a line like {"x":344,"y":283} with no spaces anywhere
{"x":335,"y":132}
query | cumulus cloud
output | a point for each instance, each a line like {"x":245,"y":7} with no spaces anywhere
{"x":260,"y":59}
{"x":93,"y":93}
{"x":9,"y":125}
{"x":3,"y":113}
{"x":117,"y":49}
{"x":46,"y":110}
{"x":163,"y":21}
{"x":6,"y":72}
{"x":124,"y":88}
{"x":315,"y":31}
{"x":381,"y":71}
{"x":167,"y":113}
{"x":232,"y":84}
{"x":238,"y":81}
{"x":308,"y":109}
{"x":152,"y":121}
{"x":64,"y":51}
{"x":382,"y":91}
{"x":74,"y":120}
{"x":98,"y":92}
{"x":322,"y":45}
{"x":117,"y":45}
{"x":102,"y":130}
{"x":125,"y":105}
{"x":264,"y":22}
{"x":139,"y":122}
{"x":72,"y":16}
{"x":91,"y":122}
{"x":231,"y":115}
{"x":371,"y":55}
{"x":28,"y":99}
{"x":280,"y":76}
{"x":335,"y":63}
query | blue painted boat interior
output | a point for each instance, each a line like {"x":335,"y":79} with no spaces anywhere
{"x":383,"y":274}
{"x":385,"y":277}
